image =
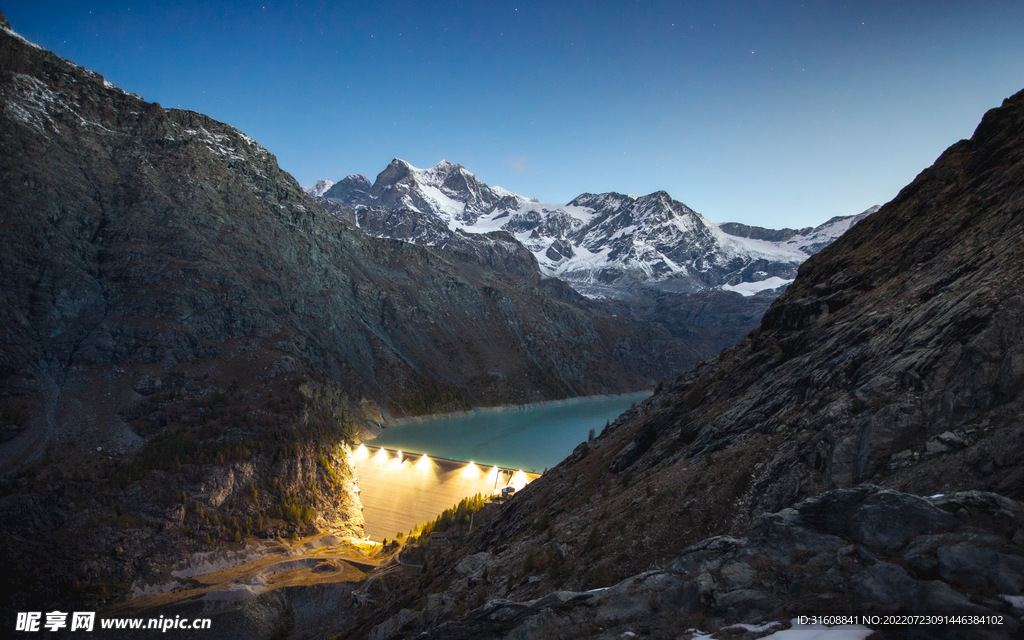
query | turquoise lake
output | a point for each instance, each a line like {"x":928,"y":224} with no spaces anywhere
{"x":531,"y":438}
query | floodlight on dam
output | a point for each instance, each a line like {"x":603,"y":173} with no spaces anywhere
{"x":519,"y":480}
{"x":397,"y":462}
{"x":382,"y":456}
{"x":361,"y":453}
{"x":492,"y":475}
{"x":471,"y":470}
{"x":424,"y":463}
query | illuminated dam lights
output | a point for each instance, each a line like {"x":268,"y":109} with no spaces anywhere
{"x":519,"y":480}
{"x":393,"y":460}
{"x":400,"y":490}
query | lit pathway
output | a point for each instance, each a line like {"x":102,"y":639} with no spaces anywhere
{"x":399,"y":491}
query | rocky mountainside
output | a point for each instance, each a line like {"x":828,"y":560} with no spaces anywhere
{"x":188,"y":341}
{"x":638,"y":254}
{"x":858,"y":453}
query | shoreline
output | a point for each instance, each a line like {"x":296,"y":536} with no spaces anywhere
{"x":398,"y":422}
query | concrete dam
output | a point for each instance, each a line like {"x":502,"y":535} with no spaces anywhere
{"x":400,"y":490}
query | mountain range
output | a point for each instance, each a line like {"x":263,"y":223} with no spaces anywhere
{"x":636,"y":255}
{"x":601,"y":244}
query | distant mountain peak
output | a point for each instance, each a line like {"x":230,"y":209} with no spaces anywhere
{"x":394,"y":173}
{"x":447,"y":190}
{"x":356,"y":178}
{"x":319,"y":189}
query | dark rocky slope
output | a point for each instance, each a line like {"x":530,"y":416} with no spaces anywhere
{"x":707,"y":322}
{"x":784,"y":477}
{"x":188,"y":340}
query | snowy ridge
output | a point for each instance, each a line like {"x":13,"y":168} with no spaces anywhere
{"x":15,"y":34}
{"x":447,"y":191}
{"x":602,"y":244}
{"x":747,"y":289}
{"x":319,"y":189}
{"x":826,"y":233}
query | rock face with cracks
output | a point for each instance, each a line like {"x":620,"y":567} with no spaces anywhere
{"x":839,"y":553}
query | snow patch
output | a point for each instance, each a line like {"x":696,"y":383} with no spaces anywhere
{"x":795,"y":632}
{"x":1017,"y":602}
{"x":747,"y":289}
{"x":260,"y":150}
{"x":450,"y":207}
{"x":223,"y":145}
{"x":33,"y":104}
{"x":735,"y":246}
{"x":821,"y":632}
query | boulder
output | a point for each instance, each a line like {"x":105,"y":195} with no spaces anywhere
{"x":971,"y":567}
{"x":873,"y":516}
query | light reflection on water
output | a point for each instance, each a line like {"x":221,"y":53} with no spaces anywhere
{"x":534,"y":438}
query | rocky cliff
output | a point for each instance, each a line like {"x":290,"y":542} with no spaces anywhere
{"x":859,"y":453}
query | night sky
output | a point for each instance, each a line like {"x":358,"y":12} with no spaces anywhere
{"x":768,"y":113}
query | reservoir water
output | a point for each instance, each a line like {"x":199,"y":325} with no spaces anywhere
{"x":535,"y":437}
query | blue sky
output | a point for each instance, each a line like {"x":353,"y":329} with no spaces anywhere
{"x":770,"y":113}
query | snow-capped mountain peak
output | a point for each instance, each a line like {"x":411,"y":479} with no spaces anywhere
{"x":446,"y":190}
{"x":319,"y":189}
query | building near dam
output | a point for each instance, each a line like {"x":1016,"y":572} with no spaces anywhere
{"x":399,"y":490}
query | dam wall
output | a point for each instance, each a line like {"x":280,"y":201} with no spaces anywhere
{"x":400,"y":490}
